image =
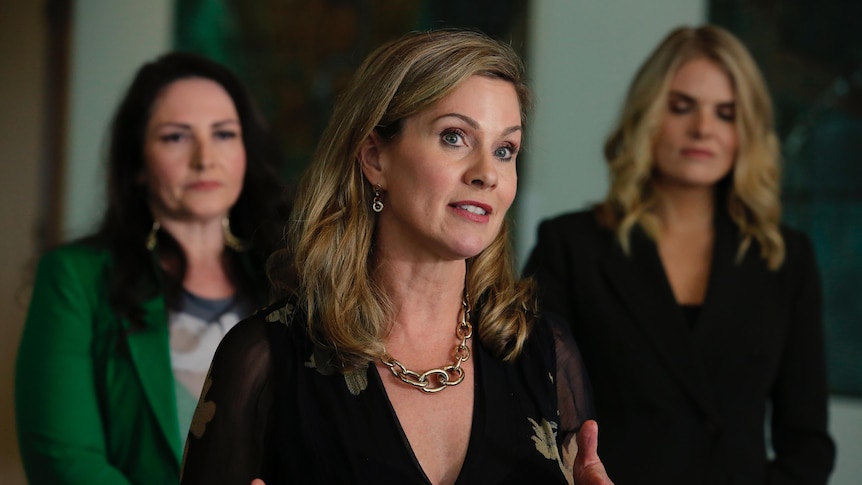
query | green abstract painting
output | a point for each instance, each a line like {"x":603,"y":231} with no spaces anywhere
{"x":811,"y":55}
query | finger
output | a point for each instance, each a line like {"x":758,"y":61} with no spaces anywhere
{"x":257,"y":481}
{"x":588,"y":441}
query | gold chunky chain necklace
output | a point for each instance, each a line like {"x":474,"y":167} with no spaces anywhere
{"x":435,"y":380}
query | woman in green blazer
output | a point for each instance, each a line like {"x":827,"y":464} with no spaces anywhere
{"x":122,"y":324}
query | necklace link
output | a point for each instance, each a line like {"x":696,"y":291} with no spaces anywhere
{"x":441,"y":377}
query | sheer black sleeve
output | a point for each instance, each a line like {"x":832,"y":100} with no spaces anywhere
{"x":574,"y":394}
{"x":573,"y":391}
{"x":228,"y":439}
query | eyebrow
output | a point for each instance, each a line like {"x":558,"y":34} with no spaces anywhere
{"x":690,"y":99}
{"x":187,"y":126}
{"x":474,"y":124}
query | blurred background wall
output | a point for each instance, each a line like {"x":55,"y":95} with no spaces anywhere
{"x":580,"y":57}
{"x":22,"y":77}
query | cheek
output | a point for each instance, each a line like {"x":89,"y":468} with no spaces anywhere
{"x":238,"y":168}
{"x":511,"y":190}
{"x":660,"y":153}
{"x":159,"y":178}
{"x":662,"y":143}
{"x":162,"y":168}
{"x":732,"y":144}
{"x":507,"y":190}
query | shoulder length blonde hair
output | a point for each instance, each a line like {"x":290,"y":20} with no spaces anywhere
{"x":751,"y":191}
{"x":332,"y":226}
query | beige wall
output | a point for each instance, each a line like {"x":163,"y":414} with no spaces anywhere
{"x":22,"y":48}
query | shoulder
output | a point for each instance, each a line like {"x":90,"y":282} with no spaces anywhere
{"x":78,"y":255}
{"x":279,"y":314}
{"x":250,"y":343}
{"x":582,"y":219}
{"x":796,"y":242}
{"x":799,"y":253}
{"x":553,"y":328}
{"x":268,"y":325}
{"x":548,"y":327}
{"x":582,"y":225}
{"x":72,"y":267}
{"x":575,"y":232}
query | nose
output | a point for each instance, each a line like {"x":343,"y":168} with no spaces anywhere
{"x":203,"y":156}
{"x":702,"y":125}
{"x":482,"y":172}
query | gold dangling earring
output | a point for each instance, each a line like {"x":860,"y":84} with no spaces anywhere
{"x":151,"y":237}
{"x":230,"y":240}
{"x":377,"y":204}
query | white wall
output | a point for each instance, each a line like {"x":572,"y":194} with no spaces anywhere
{"x":845,"y":424}
{"x":110,"y":40}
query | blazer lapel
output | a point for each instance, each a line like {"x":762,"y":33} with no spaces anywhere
{"x":732,"y":286}
{"x":641,"y":283}
{"x":149,"y":348}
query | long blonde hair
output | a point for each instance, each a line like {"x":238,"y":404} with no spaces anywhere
{"x":332,"y":226}
{"x":752,"y":190}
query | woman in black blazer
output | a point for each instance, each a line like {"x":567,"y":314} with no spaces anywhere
{"x":697,"y":313}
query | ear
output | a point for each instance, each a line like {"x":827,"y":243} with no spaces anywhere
{"x":369,"y":160}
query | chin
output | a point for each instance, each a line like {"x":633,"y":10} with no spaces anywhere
{"x":467,"y":251}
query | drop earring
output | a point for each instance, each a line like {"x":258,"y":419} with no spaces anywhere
{"x":152,"y":236}
{"x":377,"y":204}
{"x":230,"y":239}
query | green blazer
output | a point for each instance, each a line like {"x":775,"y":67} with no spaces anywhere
{"x":94,"y":400}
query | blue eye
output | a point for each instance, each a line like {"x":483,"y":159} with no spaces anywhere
{"x":225,"y":134}
{"x":172,"y":137}
{"x":504,"y":153}
{"x":452,"y":137}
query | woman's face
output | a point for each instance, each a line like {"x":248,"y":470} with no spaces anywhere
{"x":193,"y":152}
{"x":697,"y":141}
{"x":449,"y":177}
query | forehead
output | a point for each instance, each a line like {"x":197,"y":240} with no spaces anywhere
{"x":193,"y":96}
{"x":702,"y":78}
{"x":478,"y":96}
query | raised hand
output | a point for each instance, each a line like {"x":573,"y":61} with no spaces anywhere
{"x":588,"y":469}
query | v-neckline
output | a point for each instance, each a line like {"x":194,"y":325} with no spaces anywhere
{"x":472,"y":441}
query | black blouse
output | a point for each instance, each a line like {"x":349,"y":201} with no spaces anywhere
{"x":272,"y":409}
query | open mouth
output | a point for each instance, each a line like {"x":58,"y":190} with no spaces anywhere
{"x":473,"y":209}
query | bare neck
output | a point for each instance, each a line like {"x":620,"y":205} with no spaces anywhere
{"x":423,"y":293}
{"x":685,"y":209}
{"x":203,"y":245}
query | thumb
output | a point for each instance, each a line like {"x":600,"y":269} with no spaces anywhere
{"x":257,"y":481}
{"x":588,"y":443}
{"x":588,"y":468}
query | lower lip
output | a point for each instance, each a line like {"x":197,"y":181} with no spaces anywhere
{"x":204,"y":186}
{"x":470,"y":215}
{"x":697,"y":154}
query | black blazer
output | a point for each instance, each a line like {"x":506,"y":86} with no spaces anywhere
{"x":678,"y":404}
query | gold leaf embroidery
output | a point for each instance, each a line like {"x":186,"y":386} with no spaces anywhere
{"x":281,"y":315}
{"x":204,"y":412}
{"x":356,"y":381}
{"x":321,"y":360}
{"x":545,"y":439}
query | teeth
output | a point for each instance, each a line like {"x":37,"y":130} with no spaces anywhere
{"x":473,"y":209}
